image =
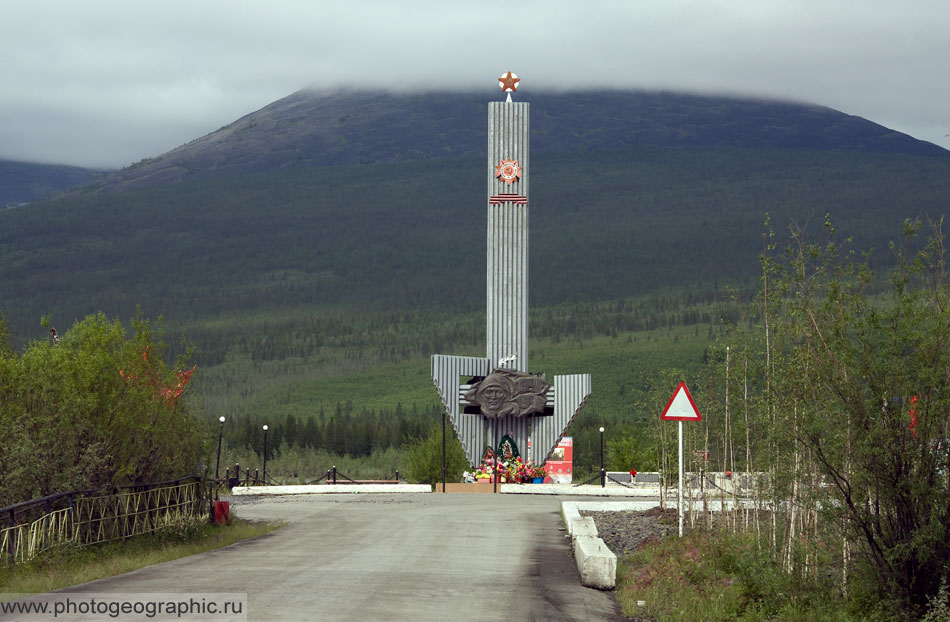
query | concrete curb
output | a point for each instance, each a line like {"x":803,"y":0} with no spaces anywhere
{"x":569,"y":511}
{"x":613,"y":506}
{"x":316,"y":489}
{"x":596,"y":563}
{"x":586,"y":491}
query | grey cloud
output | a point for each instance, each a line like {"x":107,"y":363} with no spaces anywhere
{"x":109,"y":82}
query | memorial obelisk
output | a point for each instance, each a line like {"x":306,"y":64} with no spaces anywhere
{"x":507,"y":269}
{"x":484,"y":395}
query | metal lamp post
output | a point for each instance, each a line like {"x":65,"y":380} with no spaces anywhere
{"x":217,"y":465}
{"x":603,"y":473}
{"x":265,"y":453}
{"x":443,"y":451}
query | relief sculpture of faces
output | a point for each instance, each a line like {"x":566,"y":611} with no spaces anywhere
{"x":506,"y":392}
{"x":493,"y":395}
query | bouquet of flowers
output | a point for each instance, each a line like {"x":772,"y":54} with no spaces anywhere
{"x":538,"y":470}
{"x":519,"y":471}
{"x":514,"y":470}
{"x":483,"y":471}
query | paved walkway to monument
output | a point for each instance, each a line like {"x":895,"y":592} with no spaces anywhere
{"x":391,"y":557}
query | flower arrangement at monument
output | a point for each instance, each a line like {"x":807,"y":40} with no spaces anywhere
{"x":532,"y":472}
{"x":513,"y":471}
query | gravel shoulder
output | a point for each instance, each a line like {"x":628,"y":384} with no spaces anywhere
{"x":624,"y":532}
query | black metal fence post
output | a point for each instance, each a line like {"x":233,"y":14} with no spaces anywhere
{"x":603,"y":472}
{"x":494,"y":456}
{"x":10,"y":548}
{"x":265,"y":452}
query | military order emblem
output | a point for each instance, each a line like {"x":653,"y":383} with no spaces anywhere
{"x":508,"y":171}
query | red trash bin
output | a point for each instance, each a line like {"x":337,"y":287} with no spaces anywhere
{"x":222,"y":513}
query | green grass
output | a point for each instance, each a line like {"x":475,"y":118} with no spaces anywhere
{"x":720,"y":577}
{"x":371,"y":389}
{"x":68,"y":566}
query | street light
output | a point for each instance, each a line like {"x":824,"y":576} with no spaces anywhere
{"x":217,"y":464}
{"x":603,"y":473}
{"x":265,"y":453}
{"x":443,"y":450}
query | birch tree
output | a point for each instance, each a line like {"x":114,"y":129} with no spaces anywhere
{"x":866,"y":363}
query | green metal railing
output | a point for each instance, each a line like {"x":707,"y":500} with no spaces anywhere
{"x":86,"y":517}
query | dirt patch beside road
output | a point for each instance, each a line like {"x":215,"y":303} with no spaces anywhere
{"x":624,"y":532}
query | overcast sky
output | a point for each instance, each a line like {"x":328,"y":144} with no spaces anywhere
{"x":105,"y":83}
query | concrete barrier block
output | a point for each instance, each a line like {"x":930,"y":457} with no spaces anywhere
{"x":570,"y":513}
{"x":583,"y":526}
{"x":596,"y":563}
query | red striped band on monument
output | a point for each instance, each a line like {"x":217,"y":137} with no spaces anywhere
{"x":507,"y":197}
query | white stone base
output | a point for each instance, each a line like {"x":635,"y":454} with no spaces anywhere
{"x":587,"y":491}
{"x":324,"y":489}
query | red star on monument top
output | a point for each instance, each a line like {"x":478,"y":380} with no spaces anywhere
{"x":509,"y":83}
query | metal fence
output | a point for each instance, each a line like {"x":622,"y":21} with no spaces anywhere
{"x":84,"y":517}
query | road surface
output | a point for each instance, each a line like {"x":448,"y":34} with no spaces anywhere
{"x":411,"y":557}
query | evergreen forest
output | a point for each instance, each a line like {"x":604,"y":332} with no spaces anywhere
{"x":312,"y":298}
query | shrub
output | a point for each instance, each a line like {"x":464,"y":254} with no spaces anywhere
{"x":424,"y":457}
{"x":97,"y":408}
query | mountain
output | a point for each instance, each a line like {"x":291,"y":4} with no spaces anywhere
{"x":23,"y":182}
{"x":319,"y":250}
{"x":346,"y":127}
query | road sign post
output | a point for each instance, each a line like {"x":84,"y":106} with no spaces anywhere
{"x":681,"y":407}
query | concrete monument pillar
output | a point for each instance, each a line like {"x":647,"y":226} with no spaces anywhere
{"x":497,"y":395}
{"x":507,"y":267}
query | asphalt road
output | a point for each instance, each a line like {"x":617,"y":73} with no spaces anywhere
{"x":391,"y":557}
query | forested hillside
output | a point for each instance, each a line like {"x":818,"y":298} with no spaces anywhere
{"x":22,"y":182}
{"x":322,"y":246}
{"x":309,"y":289}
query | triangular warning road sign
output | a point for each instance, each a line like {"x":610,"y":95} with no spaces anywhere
{"x":681,"y":406}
